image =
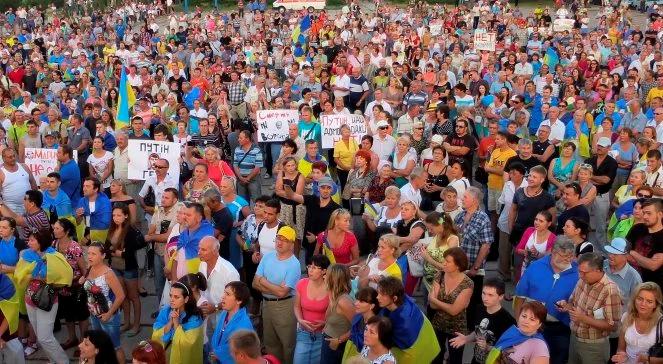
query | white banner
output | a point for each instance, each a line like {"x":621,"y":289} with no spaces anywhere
{"x":485,"y":41}
{"x":42,"y":161}
{"x":273,"y":124}
{"x":436,"y":29}
{"x":331,"y":128}
{"x":560,"y":25}
{"x":144,"y":153}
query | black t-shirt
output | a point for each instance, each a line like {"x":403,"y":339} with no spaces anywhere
{"x":528,"y":207}
{"x":540,"y":147}
{"x":498,"y":323}
{"x":579,"y":211}
{"x":528,"y":163}
{"x":317,"y":217}
{"x":647,"y":245}
{"x":607,"y":168}
{"x":468,"y":141}
{"x":223,"y":222}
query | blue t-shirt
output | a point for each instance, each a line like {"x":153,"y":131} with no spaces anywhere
{"x":539,"y":282}
{"x":626,"y":155}
{"x":279,"y":271}
{"x":70,"y":175}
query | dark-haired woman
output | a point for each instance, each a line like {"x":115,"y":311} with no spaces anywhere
{"x":104,"y":296}
{"x":123,"y":241}
{"x":38,"y":266}
{"x":523,"y":343}
{"x":311,"y":302}
{"x":577,"y":229}
{"x":366,"y":306}
{"x":71,"y":308}
{"x":10,"y":246}
{"x":377,"y":341}
{"x":180,"y":324}
{"x":97,"y":348}
{"x":232,"y":318}
{"x":450,"y":297}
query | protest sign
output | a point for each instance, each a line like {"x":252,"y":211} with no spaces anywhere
{"x":42,"y":161}
{"x":485,"y":41}
{"x":273,"y":124}
{"x":436,"y":29}
{"x":144,"y":153}
{"x":560,"y":25}
{"x":331,"y":128}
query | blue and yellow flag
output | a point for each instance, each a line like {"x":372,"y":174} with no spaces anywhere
{"x":186,"y":340}
{"x":300,"y":33}
{"x":9,"y":302}
{"x":52,"y":267}
{"x":551,"y":58}
{"x":125,"y":102}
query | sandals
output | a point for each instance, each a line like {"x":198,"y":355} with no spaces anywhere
{"x":133,"y":333}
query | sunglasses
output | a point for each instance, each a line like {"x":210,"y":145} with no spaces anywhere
{"x":145,"y":345}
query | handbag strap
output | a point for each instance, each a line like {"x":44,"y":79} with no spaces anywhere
{"x":659,"y":330}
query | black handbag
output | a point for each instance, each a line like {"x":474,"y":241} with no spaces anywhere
{"x":656,"y":351}
{"x":44,"y":296}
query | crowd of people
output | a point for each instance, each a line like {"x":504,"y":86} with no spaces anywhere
{"x":539,"y":148}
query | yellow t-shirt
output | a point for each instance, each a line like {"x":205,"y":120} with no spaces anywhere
{"x":498,"y":158}
{"x":346,"y":153}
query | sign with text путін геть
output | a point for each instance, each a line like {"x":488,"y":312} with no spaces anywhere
{"x":144,"y":153}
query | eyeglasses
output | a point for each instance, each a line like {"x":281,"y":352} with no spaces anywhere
{"x":642,"y":195}
{"x":160,"y":167}
{"x":460,"y":127}
{"x":658,"y":113}
{"x":383,"y":127}
{"x":588,"y":166}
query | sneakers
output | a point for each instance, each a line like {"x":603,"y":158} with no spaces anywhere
{"x":30,"y":349}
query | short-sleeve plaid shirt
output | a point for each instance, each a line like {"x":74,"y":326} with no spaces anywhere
{"x":474,"y":234}
{"x":600,"y":300}
{"x":236,"y":92}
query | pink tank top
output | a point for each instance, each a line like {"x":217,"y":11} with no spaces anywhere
{"x":312,"y":310}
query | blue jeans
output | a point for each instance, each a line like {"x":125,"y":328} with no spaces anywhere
{"x":159,"y":276}
{"x":307,"y":349}
{"x":275,"y":149}
{"x":112,"y":328}
{"x":557,"y":336}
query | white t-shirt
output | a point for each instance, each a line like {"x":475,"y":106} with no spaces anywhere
{"x":267,"y":239}
{"x":100,"y":164}
{"x":343,"y":82}
{"x":557,"y":129}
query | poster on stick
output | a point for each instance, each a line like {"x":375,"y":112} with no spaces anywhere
{"x":42,"y":161}
{"x":485,"y":41}
{"x":144,"y":153}
{"x":273,"y":124}
{"x":331,"y":128}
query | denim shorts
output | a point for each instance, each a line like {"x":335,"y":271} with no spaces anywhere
{"x":112,"y":328}
{"x":126,"y":274}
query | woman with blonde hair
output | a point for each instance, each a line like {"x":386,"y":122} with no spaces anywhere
{"x":587,"y":188}
{"x":383,"y":263}
{"x":338,"y":242}
{"x":338,"y":319}
{"x":292,"y":213}
{"x":638,"y":329}
{"x":410,"y":230}
{"x":217,"y":168}
{"x":404,"y":161}
{"x":118,"y":190}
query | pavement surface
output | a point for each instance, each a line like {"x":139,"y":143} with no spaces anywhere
{"x":150,"y":303}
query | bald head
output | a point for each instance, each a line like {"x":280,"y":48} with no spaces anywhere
{"x":208,"y":249}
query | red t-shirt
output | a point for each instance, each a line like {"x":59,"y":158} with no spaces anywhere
{"x":343,"y":253}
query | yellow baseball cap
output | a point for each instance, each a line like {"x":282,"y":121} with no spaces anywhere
{"x":288,"y":233}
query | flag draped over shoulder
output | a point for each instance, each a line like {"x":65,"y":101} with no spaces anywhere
{"x":9,"y":302}
{"x":416,"y":341}
{"x":52,"y":267}
{"x":186,"y":340}
{"x":125,"y":101}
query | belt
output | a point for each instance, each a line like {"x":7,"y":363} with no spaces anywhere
{"x":237,"y":104}
{"x":276,"y":299}
{"x":592,"y":341}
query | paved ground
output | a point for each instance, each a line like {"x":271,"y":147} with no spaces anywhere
{"x":150,"y":302}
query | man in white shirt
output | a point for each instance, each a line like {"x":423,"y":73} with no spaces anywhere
{"x":341,"y":84}
{"x":27,"y":106}
{"x":655,"y":172}
{"x":379,"y":100}
{"x":411,"y":191}
{"x":657,"y":123}
{"x":557,"y":127}
{"x":383,"y":143}
{"x":524,"y":68}
{"x":158,"y":181}
{"x":266,"y":241}
{"x":218,"y":272}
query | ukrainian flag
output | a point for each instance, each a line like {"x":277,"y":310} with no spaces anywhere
{"x":9,"y":302}
{"x":551,"y":58}
{"x":299,"y":34}
{"x":52,"y":267}
{"x":126,"y":101}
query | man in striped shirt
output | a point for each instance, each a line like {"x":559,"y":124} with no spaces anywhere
{"x":247,"y":163}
